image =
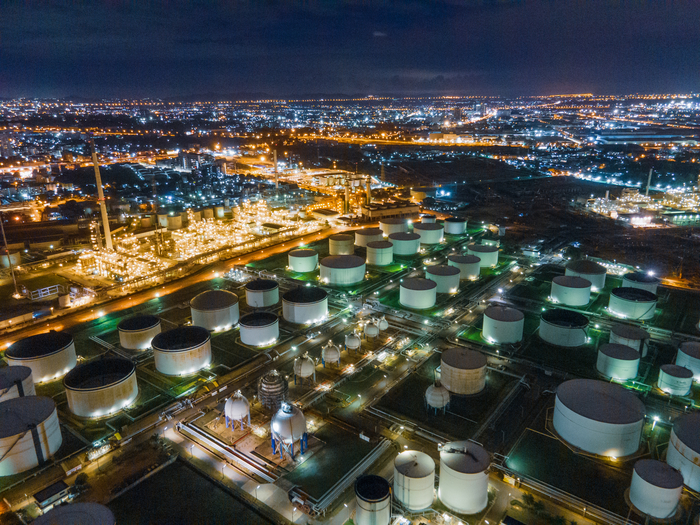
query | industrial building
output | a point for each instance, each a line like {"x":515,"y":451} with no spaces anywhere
{"x":564,"y":328}
{"x":418,"y":293}
{"x":303,"y":261}
{"x":464,"y":477}
{"x":487,"y":254}
{"x":469,"y":266}
{"x":342,"y":270}
{"x":590,"y":270}
{"x":463,"y":371}
{"x":182,"y":351}
{"x":503,"y":325}
{"x":261,"y":293}
{"x":215,"y":310}
{"x":136,"y":333}
{"x":259,"y":329}
{"x":405,"y":244}
{"x":50,"y":355}
{"x":305,"y":305}
{"x":446,"y":277}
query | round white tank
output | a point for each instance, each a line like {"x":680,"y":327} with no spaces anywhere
{"x":564,"y":328}
{"x":101,"y":387}
{"x":237,"y":407}
{"x":304,"y":366}
{"x":428,"y":218}
{"x":455,"y":226}
{"x":162,"y":217}
{"x":418,"y":293}
{"x":49,"y":355}
{"x":260,"y":293}
{"x":684,"y":448}
{"x":341,"y":244}
{"x":414,"y":479}
{"x":136,"y":333}
{"x":13,"y":258}
{"x":675,"y":380}
{"x":393,"y":225}
{"x":331,"y":353}
{"x":641,"y":280}
{"x":342,"y":270}
{"x":446,"y":277}
{"x":656,"y":488}
{"x":430,"y":232}
{"x":380,"y":253}
{"x":288,"y":424}
{"x":18,"y":443}
{"x":215,"y":310}
{"x":352,"y":341}
{"x":303,"y":261}
{"x":362,"y":237}
{"x":463,"y":371}
{"x":487,"y":254}
{"x":371,"y":330}
{"x":632,"y":303}
{"x":464,"y":477}
{"x":618,"y":361}
{"x":689,"y":357}
{"x":571,"y":291}
{"x":590,"y":270}
{"x":259,"y":329}
{"x":469,"y":266}
{"x":305,"y":305}
{"x":16,"y":381}
{"x":77,"y":514}
{"x":599,"y":417}
{"x":630,"y":335}
{"x":373,"y":498}
{"x":437,"y":396}
{"x":503,"y":325}
{"x":174,"y":222}
{"x":405,"y":243}
{"x":182,"y":350}
{"x":382,"y":323}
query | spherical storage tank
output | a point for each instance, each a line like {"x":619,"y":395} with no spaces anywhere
{"x":288,"y":424}
{"x":259,"y":328}
{"x":418,"y":293}
{"x":446,"y":277}
{"x":488,"y":255}
{"x":260,"y":293}
{"x":101,"y":387}
{"x":393,"y":225}
{"x":380,"y":253}
{"x":689,"y":357}
{"x":571,"y":291}
{"x":684,"y":448}
{"x":352,"y":341}
{"x":342,"y":270}
{"x":590,"y":270}
{"x":464,"y":478}
{"x":237,"y":408}
{"x":630,"y":335}
{"x":455,"y":226}
{"x":87,"y":513}
{"x":182,"y":350}
{"x":656,"y":488}
{"x":430,"y":232}
{"x":598,"y":417}
{"x":341,"y":244}
{"x":305,"y":305}
{"x":463,"y":371}
{"x":136,"y":333}
{"x":414,"y":479}
{"x":405,"y":243}
{"x":469,"y":265}
{"x":675,"y":380}
{"x":49,"y":355}
{"x":362,"y":237}
{"x":632,"y":303}
{"x":215,"y":310}
{"x":503,"y":325}
{"x":373,"y":498}
{"x":303,"y":261}
{"x":21,"y":447}
{"x":641,"y":280}
{"x":437,"y":396}
{"x":618,"y":361}
{"x":563,"y":327}
{"x":16,"y":381}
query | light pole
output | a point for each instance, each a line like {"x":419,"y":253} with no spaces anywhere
{"x":294,"y":509}
{"x":256,"y":491}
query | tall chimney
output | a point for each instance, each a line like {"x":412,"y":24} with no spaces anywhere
{"x":101,"y":197}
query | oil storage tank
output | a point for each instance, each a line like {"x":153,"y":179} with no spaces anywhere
{"x":182,"y":350}
{"x":259,"y":328}
{"x":503,"y":325}
{"x":428,"y":218}
{"x":463,"y":371}
{"x":675,"y":380}
{"x":571,"y":291}
{"x":16,"y":381}
{"x":380,"y":253}
{"x":362,"y":237}
{"x":455,"y":226}
{"x":101,"y":387}
{"x":446,"y":277}
{"x":215,"y":310}
{"x":136,"y":333}
{"x":564,"y":328}
{"x":305,"y":305}
{"x":373,"y":498}
{"x":342,"y":270}
{"x":630,"y":335}
{"x":464,"y":477}
{"x":260,"y":293}
{"x":273,"y":390}
{"x":430,"y":232}
{"x":618,"y":361}
{"x":641,"y":280}
{"x":405,"y":243}
{"x":656,"y":488}
{"x":418,"y":293}
{"x":689,"y":356}
{"x":341,"y":244}
{"x":303,"y":261}
{"x":85,"y":513}
{"x":414,"y":479}
{"x":393,"y":225}
{"x":469,"y":266}
{"x":487,"y":254}
{"x":437,"y":397}
{"x":632,"y":303}
{"x":589,"y":270}
{"x":683,"y":451}
{"x":29,"y":433}
{"x":49,"y":355}
{"x":598,"y":417}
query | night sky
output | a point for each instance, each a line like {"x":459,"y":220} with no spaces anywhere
{"x":290,"y":48}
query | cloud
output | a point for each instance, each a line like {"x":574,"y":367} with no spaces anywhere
{"x":379,"y":34}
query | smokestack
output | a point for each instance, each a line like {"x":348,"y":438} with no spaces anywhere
{"x":649,"y":181}
{"x":101,"y":197}
{"x":346,"y":206}
{"x":277,"y":182}
{"x":369,"y":189}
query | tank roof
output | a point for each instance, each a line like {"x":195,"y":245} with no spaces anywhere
{"x":213,"y":300}
{"x":303,"y":253}
{"x":414,"y":464}
{"x":571,"y":281}
{"x":442,"y":269}
{"x":259,"y":285}
{"x":658,"y":473}
{"x":463,"y":358}
{"x":629,"y":331}
{"x":455,"y":219}
{"x":418,"y":283}
{"x":618,"y":351}
{"x":99,"y":373}
{"x":677,"y":371}
{"x":258,"y":319}
{"x":586,"y":266}
{"x":138,"y":322}
{"x":568,"y":318}
{"x":10,"y":374}
{"x":86,"y":513}
{"x":342,"y":261}
{"x":393,"y":220}
{"x":428,"y":215}
{"x":687,"y":429}
{"x":305,"y":294}
{"x":369,"y":231}
{"x":504,"y":313}
{"x":404,"y":236}
{"x":691,"y":349}
{"x":601,"y":401}
{"x":464,"y":259}
{"x":641,"y":277}
{"x":341,"y":237}
{"x":180,"y":338}
{"x":20,"y":414}
{"x":380,"y":245}
{"x":483,"y":248}
{"x":39,"y":345}
{"x":465,"y":457}
{"x":372,"y":488}
{"x":428,"y":226}
{"x":636,"y":295}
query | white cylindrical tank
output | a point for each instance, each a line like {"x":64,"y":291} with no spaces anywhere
{"x":684,"y":448}
{"x":503,"y":325}
{"x":303,"y":261}
{"x":136,"y":333}
{"x":487,"y":254}
{"x":464,"y":477}
{"x":77,"y":514}
{"x":260,"y":293}
{"x":564,"y":328}
{"x":656,"y":488}
{"x":5,"y":260}
{"x":342,"y":270}
{"x":101,"y":387}
{"x":362,"y":237}
{"x":455,"y":226}
{"x":630,"y":335}
{"x":469,"y":266}
{"x":618,"y":361}
{"x":305,"y":305}
{"x":49,"y":355}
{"x":341,"y":244}
{"x":632,"y":303}
{"x":174,"y":222}
{"x":259,"y":328}
{"x":571,"y":291}
{"x":446,"y":277}
{"x":182,"y":351}
{"x":418,"y":293}
{"x":430,"y":232}
{"x":215,"y":310}
{"x":590,"y":270}
{"x":428,"y":218}
{"x":393,"y":225}
{"x":22,"y":448}
{"x":373,"y":498}
{"x":641,"y":280}
{"x":463,"y":371}
{"x":414,"y":479}
{"x":380,"y":253}
{"x":405,"y":243}
{"x":599,"y":417}
{"x":689,"y":356}
{"x":675,"y":380}
{"x":437,"y":396}
{"x":16,"y":381}
{"x":288,"y":424}
{"x":162,"y":217}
